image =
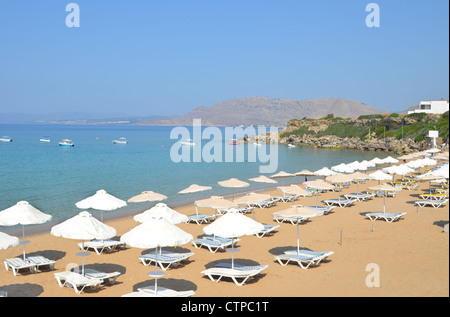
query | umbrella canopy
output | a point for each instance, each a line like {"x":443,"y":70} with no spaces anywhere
{"x":357,"y":166}
{"x":380,"y":176}
{"x":147,"y":196}
{"x":7,"y":241}
{"x":215,"y":202}
{"x":305,"y":173}
{"x":294,"y":190}
{"x":385,"y":188}
{"x":342,"y":168}
{"x":368,"y":163}
{"x":233,"y":183}
{"x":23,"y":214}
{"x":161,"y":210}
{"x":233,"y":225}
{"x":319,"y":184}
{"x":377,"y":161}
{"x":324,"y":172}
{"x":390,"y":160}
{"x":252,"y":198}
{"x":282,"y":174}
{"x":339,"y":178}
{"x":194,"y":188}
{"x":101,"y":200}
{"x":156,"y":233}
{"x":359,"y":176}
{"x":263,"y":179}
{"x":83,"y":227}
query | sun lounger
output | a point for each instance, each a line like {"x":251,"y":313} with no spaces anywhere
{"x":292,"y":220}
{"x":319,"y":255}
{"x":107,"y":278}
{"x":325,"y":210}
{"x":267,"y":228}
{"x":164,"y":259}
{"x":41,"y":261}
{"x":340,"y":202}
{"x":149,"y":291}
{"x":304,"y":261}
{"x":101,"y":245}
{"x":431,"y":202}
{"x":388,"y":216}
{"x":77,"y":281}
{"x":16,"y":264}
{"x":243,"y":272}
{"x":284,"y":198}
{"x":213,"y":245}
{"x":359,"y":196}
{"x":264,"y":204}
{"x":201,"y":218}
{"x":434,"y":196}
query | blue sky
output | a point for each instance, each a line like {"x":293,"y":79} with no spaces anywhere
{"x":168,"y":57}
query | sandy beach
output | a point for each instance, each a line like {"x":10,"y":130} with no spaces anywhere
{"x":412,"y":255}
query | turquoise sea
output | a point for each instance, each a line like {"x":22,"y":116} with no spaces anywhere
{"x":53,"y":178}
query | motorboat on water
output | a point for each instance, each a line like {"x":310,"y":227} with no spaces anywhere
{"x":188,"y":142}
{"x":233,"y":142}
{"x":5,"y":139}
{"x":120,"y":141}
{"x":66,"y":142}
{"x":45,"y":139}
{"x":291,"y":145}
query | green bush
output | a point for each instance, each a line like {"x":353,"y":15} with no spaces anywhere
{"x":394,"y":115}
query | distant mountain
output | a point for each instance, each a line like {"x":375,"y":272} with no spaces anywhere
{"x":269,"y":111}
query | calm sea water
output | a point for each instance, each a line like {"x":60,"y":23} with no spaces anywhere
{"x":53,"y":178}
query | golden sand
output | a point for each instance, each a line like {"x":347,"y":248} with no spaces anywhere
{"x":412,"y":255}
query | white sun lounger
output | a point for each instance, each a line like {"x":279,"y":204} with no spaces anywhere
{"x":41,"y":261}
{"x":340,"y":202}
{"x":431,"y":202}
{"x":200,"y":218}
{"x":162,"y":292}
{"x":359,"y":196}
{"x":319,"y":255}
{"x":164,"y":259}
{"x":292,"y":220}
{"x":238,"y":272}
{"x":212,"y":244}
{"x":388,"y":216}
{"x":325,"y":209}
{"x":267,"y":228}
{"x":264,"y":204}
{"x":77,"y":281}
{"x":434,"y":196}
{"x":107,"y":278}
{"x":16,"y":264}
{"x":101,"y":245}
{"x":304,"y":261}
{"x":284,"y":198}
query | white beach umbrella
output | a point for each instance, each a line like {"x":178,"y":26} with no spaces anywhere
{"x":368,"y":163}
{"x":377,"y":161}
{"x":23,"y":214}
{"x":415,"y":164}
{"x":282,"y":175}
{"x":339,"y":179}
{"x":325,"y":171}
{"x":7,"y":241}
{"x":102,"y":201}
{"x":342,"y":168}
{"x":233,"y":225}
{"x":358,"y":166}
{"x":305,"y":173}
{"x":298,"y":213}
{"x":380,"y":176}
{"x":233,"y":183}
{"x":390,"y":160}
{"x":156,"y":233}
{"x":161,"y":210}
{"x":263,"y":179}
{"x":318,"y":185}
{"x":83,"y":227}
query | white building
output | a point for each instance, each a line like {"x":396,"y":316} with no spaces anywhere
{"x":432,"y":106}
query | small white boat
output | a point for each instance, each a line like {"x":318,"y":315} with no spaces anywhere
{"x":5,"y":139}
{"x":291,"y":145}
{"x":66,"y":142}
{"x":188,"y":142}
{"x":120,"y":141}
{"x":45,"y":139}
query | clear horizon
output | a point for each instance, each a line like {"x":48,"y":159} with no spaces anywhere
{"x":148,"y":58}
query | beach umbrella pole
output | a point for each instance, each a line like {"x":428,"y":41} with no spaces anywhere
{"x":24,"y":242}
{"x":156,"y":273}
